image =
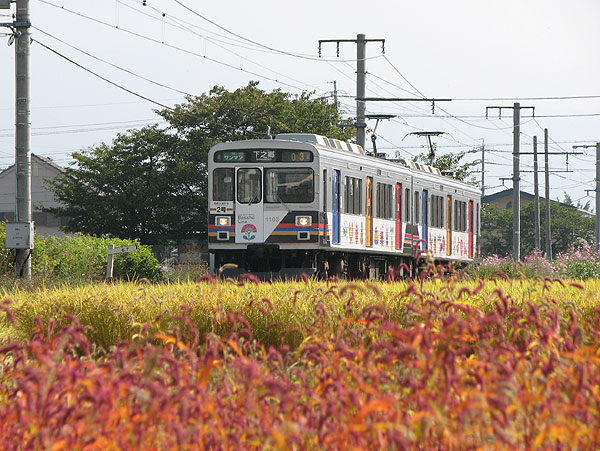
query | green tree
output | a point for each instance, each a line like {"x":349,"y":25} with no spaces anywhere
{"x":568,"y":225}
{"x":450,"y":162}
{"x":132,"y":189}
{"x":151,"y":184}
{"x":496,"y":230}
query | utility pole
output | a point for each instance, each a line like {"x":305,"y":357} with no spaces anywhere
{"x":361,"y":72}
{"x":597,"y":231}
{"x":536,"y":187}
{"x":22,"y":39}
{"x":23,"y":130}
{"x":482,"y":168}
{"x":361,"y":87}
{"x":483,"y":149}
{"x":516,"y":178}
{"x":547,"y":192}
{"x":536,"y":195}
{"x":335,"y":98}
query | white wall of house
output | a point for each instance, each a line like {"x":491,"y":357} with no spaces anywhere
{"x":41,"y":169}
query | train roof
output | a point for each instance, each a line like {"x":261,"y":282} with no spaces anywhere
{"x":344,"y":146}
{"x":355,"y":149}
{"x":350,"y":149}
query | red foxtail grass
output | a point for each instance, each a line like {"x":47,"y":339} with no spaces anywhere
{"x":448,"y":375}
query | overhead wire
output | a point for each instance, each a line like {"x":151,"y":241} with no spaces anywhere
{"x":156,"y":41}
{"x":262,"y":66}
{"x":112,"y":64}
{"x":141,"y":96}
{"x":475,"y":125}
{"x":283,"y":52}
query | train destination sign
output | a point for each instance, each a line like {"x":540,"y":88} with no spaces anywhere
{"x":263,"y":156}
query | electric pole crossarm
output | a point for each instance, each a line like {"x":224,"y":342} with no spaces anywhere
{"x":400,"y":99}
{"x":355,"y":41}
{"x":500,"y":108}
{"x":555,"y":153}
{"x":361,"y":73}
{"x":551,"y":172}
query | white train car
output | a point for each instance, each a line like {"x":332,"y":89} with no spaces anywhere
{"x":303,"y":203}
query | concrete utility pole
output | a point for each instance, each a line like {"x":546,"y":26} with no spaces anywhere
{"x":597,"y":190}
{"x":537,"y":195}
{"x":361,"y":88}
{"x":22,"y":38}
{"x":335,"y":97}
{"x":536,"y":187}
{"x":361,"y":72}
{"x":516,"y":178}
{"x":516,"y":183}
{"x":482,"y":168}
{"x":547,"y":193}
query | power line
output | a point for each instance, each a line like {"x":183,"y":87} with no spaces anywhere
{"x":156,"y":41}
{"x":112,"y":64}
{"x":507,"y":99}
{"x":283,"y":52}
{"x":101,"y":77}
{"x":88,"y":105}
{"x":213,"y":41}
{"x":126,"y":89}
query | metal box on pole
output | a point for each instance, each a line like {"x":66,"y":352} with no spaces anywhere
{"x":19,"y":235}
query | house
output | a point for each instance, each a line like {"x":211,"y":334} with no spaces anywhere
{"x":42,"y":169}
{"x":503,"y":200}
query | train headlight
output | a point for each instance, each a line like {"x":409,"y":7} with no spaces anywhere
{"x":223,"y":221}
{"x":303,"y":221}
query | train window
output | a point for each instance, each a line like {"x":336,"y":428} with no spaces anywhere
{"x":249,"y":190}
{"x":407,"y":205}
{"x":460,"y":216}
{"x":437,"y":211}
{"x":417,"y":208}
{"x":223,"y":184}
{"x":293,"y":185}
{"x":384,"y":201}
{"x":353,"y":192}
{"x":357,"y":201}
{"x":348,"y":191}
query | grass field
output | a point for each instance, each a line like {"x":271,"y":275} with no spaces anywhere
{"x":302,"y":365}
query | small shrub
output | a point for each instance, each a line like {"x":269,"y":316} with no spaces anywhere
{"x":580,"y":261}
{"x":82,"y":258}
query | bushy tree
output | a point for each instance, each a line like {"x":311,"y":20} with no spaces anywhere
{"x":568,"y":225}
{"x":151,"y":184}
{"x":451,"y":162}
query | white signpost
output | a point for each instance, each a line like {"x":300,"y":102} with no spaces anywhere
{"x":112,"y":250}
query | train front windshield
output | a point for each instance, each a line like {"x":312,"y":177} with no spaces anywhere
{"x":249,"y":186}
{"x":293,"y":185}
{"x":287,"y":185}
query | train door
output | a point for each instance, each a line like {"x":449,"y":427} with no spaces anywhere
{"x":448,"y":225}
{"x":249,"y":206}
{"x":398,"y":215}
{"x":424,"y":218}
{"x":369,"y":215}
{"x":336,"y":206}
{"x":470,"y":229}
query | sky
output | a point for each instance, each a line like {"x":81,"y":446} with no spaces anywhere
{"x":478,"y":53}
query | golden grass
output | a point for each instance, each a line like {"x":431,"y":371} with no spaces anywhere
{"x":110,"y":310}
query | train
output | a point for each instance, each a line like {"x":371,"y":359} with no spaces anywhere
{"x":300,"y":203}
